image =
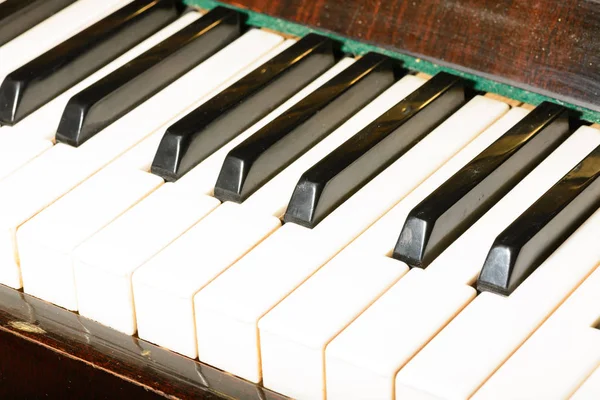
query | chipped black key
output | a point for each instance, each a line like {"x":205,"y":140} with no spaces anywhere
{"x":18,"y":16}
{"x":460,"y":201}
{"x":45,"y":77}
{"x":204,"y":130}
{"x":542,"y":228}
{"x":102,"y":103}
{"x":340,"y":174}
{"x":266,"y":153}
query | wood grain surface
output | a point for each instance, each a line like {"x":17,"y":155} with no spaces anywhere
{"x":547,"y":46}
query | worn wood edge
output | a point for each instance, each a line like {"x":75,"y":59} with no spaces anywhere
{"x":483,"y":82}
{"x":127,"y":357}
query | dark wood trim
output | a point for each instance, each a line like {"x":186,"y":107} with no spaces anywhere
{"x":546,"y":46}
{"x":47,"y":350}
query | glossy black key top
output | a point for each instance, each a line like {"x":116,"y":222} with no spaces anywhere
{"x":460,"y":201}
{"x":266,"y":153}
{"x":102,"y":103}
{"x":45,"y":77}
{"x":340,"y":174}
{"x":18,"y":16}
{"x":542,"y":228}
{"x":201,"y":132}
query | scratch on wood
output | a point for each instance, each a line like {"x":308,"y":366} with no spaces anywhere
{"x":26,"y":327}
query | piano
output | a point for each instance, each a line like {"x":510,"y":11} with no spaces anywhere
{"x":295,"y":199}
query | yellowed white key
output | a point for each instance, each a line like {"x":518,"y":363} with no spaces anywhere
{"x":253,"y":220}
{"x":26,"y":139}
{"x":44,"y":181}
{"x":54,"y":30}
{"x":104,"y":263}
{"x":293,"y":335}
{"x":560,"y":355}
{"x":590,"y":389}
{"x":222,"y":299}
{"x":470,"y":349}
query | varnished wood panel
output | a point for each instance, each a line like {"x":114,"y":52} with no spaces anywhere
{"x":550,"y":47}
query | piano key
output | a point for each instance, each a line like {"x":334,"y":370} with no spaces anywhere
{"x":164,"y":229}
{"x":266,"y":153}
{"x":32,"y":85}
{"x":17,"y":16}
{"x":49,"y":182}
{"x":462,"y":260}
{"x":590,"y":389}
{"x":204,"y":130}
{"x":102,"y":103}
{"x":42,"y":123}
{"x":37,"y":239}
{"x":16,"y":152}
{"x":449,"y":211}
{"x":103,"y":264}
{"x":362,"y":361}
{"x":559,"y":356}
{"x":54,"y":30}
{"x":172,"y":277}
{"x":305,"y":321}
{"x":230,"y":306}
{"x":381,"y":238}
{"x":339,"y":175}
{"x":536,"y":233}
{"x":492,"y":327}
{"x":45,"y":242}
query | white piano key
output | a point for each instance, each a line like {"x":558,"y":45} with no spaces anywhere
{"x":381,"y":238}
{"x":362,"y":361}
{"x":40,"y":126}
{"x":294,"y":334}
{"x":560,"y":355}
{"x":492,"y":327}
{"x":104,"y":263}
{"x":338,"y":303}
{"x":164,"y":287}
{"x":53,"y":31}
{"x":590,"y":389}
{"x":230,"y":306}
{"x":46,"y":178}
{"x":45,"y":242}
{"x":16,"y":152}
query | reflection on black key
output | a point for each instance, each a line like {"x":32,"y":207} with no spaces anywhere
{"x":542,"y":228}
{"x":460,"y":201}
{"x":197,"y":135}
{"x":37,"y":82}
{"x":266,"y":153}
{"x":18,"y":16}
{"x":344,"y":171}
{"x":102,"y":103}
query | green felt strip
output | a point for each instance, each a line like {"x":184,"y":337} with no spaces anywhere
{"x":358,"y":48}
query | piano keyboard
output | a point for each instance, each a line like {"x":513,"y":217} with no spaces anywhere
{"x":328,"y":225}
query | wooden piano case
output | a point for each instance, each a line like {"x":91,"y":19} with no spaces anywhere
{"x":526,"y":50}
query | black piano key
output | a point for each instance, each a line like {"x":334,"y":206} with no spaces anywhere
{"x":37,"y":82}
{"x":204,"y":130}
{"x":542,"y":228}
{"x":460,"y":201}
{"x":339,"y":175}
{"x":102,"y":103}
{"x":266,"y":153}
{"x":18,"y":16}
